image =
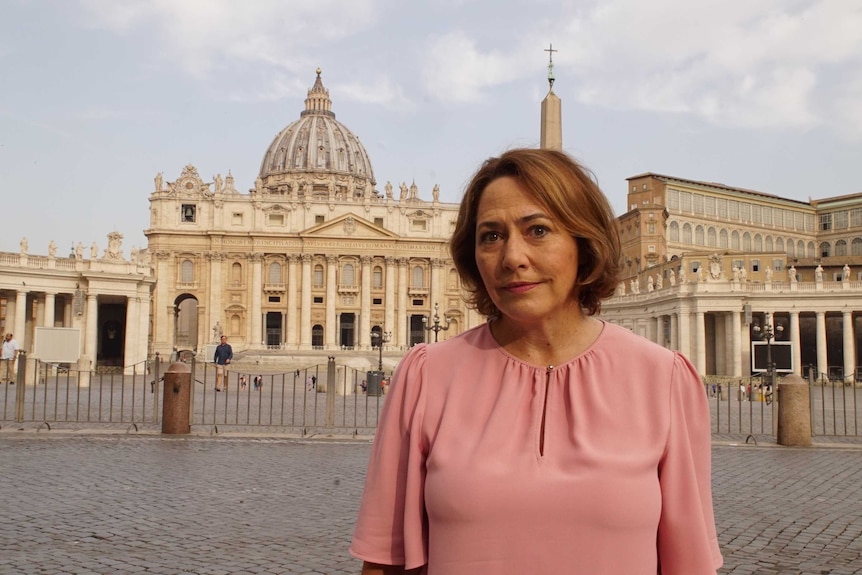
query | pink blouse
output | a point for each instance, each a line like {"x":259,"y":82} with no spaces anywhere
{"x":460,"y":478}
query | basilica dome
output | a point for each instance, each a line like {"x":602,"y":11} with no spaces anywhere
{"x":316,"y":154}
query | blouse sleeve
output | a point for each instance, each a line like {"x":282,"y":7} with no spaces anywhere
{"x":687,"y":541}
{"x":391,"y":528}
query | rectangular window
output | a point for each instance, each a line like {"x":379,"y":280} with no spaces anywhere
{"x":721,"y":207}
{"x":739,"y":264}
{"x":651,"y":249}
{"x":695,"y":266}
{"x":840,"y":220}
{"x":685,"y":201}
{"x":745,"y":211}
{"x":319,"y":219}
{"x":418,"y":225}
{"x":318,"y":299}
{"x":377,"y":301}
{"x":418,"y":302}
{"x":799,"y":221}
{"x":755,"y":265}
{"x":188,"y":213}
{"x":697,"y":203}
{"x":651,"y":227}
{"x":777,"y":265}
{"x":809,"y":222}
{"x":709,"y":205}
{"x":767,"y":215}
{"x":856,"y":218}
{"x":378,"y":222}
{"x":733,"y":209}
{"x":275,"y":219}
{"x":755,"y":213}
{"x":274,"y":299}
{"x":236,"y":218}
{"x":825,"y":222}
{"x":673,"y":200}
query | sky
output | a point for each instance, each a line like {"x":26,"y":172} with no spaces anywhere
{"x":97,"y":96}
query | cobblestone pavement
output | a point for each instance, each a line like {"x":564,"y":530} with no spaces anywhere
{"x":126,"y":504}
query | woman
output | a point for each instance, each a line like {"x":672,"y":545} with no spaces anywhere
{"x":545,"y":441}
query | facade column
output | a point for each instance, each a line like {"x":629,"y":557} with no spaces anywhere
{"x":290,"y":320}
{"x":130,"y":355}
{"x":402,"y":326}
{"x":795,"y":343}
{"x":305,"y":302}
{"x":700,"y":334}
{"x":216,"y":310}
{"x":255,"y":333}
{"x":736,"y":344}
{"x":391,"y":276}
{"x":331,"y":328}
{"x":822,"y":359}
{"x":436,"y":291}
{"x":365,"y":305}
{"x":164,"y":313}
{"x":144,"y":309}
{"x":849,"y":341}
{"x":658,"y":322}
{"x":48,"y":317}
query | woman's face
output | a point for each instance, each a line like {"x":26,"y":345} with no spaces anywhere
{"x":527,"y":261}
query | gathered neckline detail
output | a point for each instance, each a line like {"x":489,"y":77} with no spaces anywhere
{"x":546,"y":368}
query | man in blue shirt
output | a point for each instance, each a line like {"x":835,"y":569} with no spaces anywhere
{"x":223,"y":355}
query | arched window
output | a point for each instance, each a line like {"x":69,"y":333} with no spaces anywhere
{"x":758,"y":243}
{"x":768,"y":243}
{"x":235,"y":324}
{"x":800,"y":249}
{"x":791,"y":249}
{"x":318,"y":276}
{"x":377,"y":277}
{"x":722,"y":239}
{"x":698,"y":235}
{"x":779,"y":244}
{"x":856,"y":247}
{"x":746,"y":242}
{"x":734,"y":240}
{"x":187,"y":271}
{"x":840,"y":248}
{"x":810,"y":249}
{"x":686,"y":233}
{"x":825,"y":250}
{"x":348,"y":277}
{"x":453,"y":279}
{"x":674,"y":232}
{"x":274,"y":273}
{"x":317,"y":336}
{"x":711,"y":240}
{"x":236,"y":273}
{"x":418,"y":277}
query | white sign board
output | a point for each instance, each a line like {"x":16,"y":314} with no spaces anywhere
{"x":57,"y":344}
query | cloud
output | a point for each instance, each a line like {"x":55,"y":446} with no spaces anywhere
{"x":202,"y":35}
{"x":381,"y":90}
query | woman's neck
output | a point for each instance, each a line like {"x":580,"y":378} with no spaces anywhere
{"x":546,"y":343}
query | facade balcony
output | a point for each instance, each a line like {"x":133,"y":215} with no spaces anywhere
{"x":187,"y":286}
{"x":273,"y":288}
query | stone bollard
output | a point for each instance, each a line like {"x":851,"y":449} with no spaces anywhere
{"x":794,"y":412}
{"x":177,"y":399}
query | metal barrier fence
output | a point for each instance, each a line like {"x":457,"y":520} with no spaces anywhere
{"x":294,"y":402}
{"x":834,"y":406}
{"x":740,"y":406}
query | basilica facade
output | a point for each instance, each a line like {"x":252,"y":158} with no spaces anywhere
{"x":315,"y":256}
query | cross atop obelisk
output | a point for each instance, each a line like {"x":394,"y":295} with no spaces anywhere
{"x":550,"y":50}
{"x":551,"y":132}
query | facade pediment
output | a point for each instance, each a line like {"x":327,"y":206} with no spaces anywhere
{"x":349,"y":226}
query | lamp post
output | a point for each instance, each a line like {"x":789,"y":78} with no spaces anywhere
{"x":380,"y":337}
{"x":768,"y":332}
{"x":436,"y":328}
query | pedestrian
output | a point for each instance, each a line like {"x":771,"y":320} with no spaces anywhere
{"x":242,"y":382}
{"x":222,"y":357}
{"x":255,"y":382}
{"x":313,"y":382}
{"x":524,"y":444}
{"x":8,"y":357}
{"x":309,"y":383}
{"x":260,"y":383}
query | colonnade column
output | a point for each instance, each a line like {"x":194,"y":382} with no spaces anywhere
{"x":391,"y":271}
{"x":162,"y":340}
{"x":674,"y":336}
{"x":822,"y":360}
{"x":402,"y":326}
{"x":684,"y":333}
{"x":849,"y":341}
{"x":130,"y":357}
{"x":255,"y":335}
{"x":291,"y":301}
{"x":736,"y":344}
{"x":21,"y":317}
{"x":90,"y":343}
{"x":305,"y":312}
{"x":365,"y":304}
{"x":657,"y":335}
{"x":331,"y":295}
{"x":700,"y":334}
{"x":795,"y":343}
{"x":48,"y":317}
{"x":436,"y":266}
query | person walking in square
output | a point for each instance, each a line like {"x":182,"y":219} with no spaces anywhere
{"x":8,"y":356}
{"x":223,"y":355}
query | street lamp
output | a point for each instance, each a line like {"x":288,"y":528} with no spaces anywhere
{"x":768,"y":332}
{"x":436,"y":328}
{"x":380,"y":337}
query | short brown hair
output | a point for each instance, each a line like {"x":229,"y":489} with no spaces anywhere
{"x":572,"y":197}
